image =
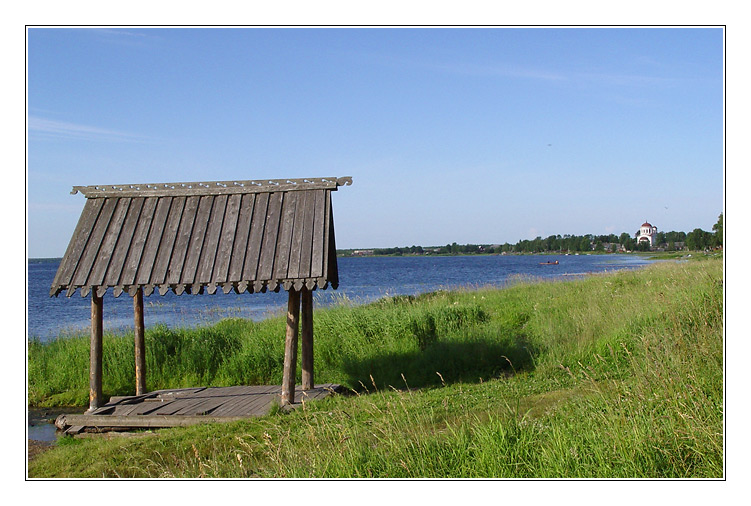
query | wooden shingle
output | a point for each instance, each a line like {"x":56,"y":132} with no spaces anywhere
{"x":199,"y":237}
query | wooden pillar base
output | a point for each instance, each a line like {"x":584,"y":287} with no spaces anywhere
{"x":307,"y":339}
{"x":290,"y":348}
{"x":95,"y":354}
{"x":140,"y":342}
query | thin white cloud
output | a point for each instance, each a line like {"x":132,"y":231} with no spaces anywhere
{"x":123,"y":37}
{"x":529,"y":72}
{"x":521,"y":72}
{"x":628,"y":80}
{"x":500,"y":71}
{"x":466,"y":68}
{"x":48,"y":128}
{"x":118,"y":32}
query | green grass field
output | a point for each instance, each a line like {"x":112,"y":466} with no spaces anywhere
{"x":616,"y":375}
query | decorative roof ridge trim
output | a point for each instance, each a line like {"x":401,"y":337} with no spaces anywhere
{"x":211,"y":187}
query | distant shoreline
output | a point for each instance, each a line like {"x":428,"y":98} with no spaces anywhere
{"x":348,"y":254}
{"x":648,"y":254}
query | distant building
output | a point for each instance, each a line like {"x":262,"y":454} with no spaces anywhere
{"x":647,"y":233}
{"x":614,"y":247}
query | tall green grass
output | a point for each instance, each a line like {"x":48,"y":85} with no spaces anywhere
{"x":617,"y":375}
{"x":391,"y":337}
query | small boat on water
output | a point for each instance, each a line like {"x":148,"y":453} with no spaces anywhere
{"x":549,"y":263}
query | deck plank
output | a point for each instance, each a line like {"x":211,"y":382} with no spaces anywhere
{"x":187,"y":406}
{"x":241,"y":406}
{"x":205,"y":407}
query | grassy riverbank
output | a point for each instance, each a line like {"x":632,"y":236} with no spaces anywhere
{"x":617,"y":375}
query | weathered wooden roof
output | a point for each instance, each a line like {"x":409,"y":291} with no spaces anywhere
{"x":199,"y":237}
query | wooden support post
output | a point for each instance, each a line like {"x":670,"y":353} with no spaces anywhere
{"x":140,"y":342}
{"x":95,"y":354}
{"x":290,"y":348}
{"x":307,"y":339}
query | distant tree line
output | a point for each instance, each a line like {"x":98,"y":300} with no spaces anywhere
{"x":696,"y":240}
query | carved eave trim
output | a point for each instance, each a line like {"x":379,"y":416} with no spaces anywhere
{"x":212,"y":187}
{"x":274,"y":285}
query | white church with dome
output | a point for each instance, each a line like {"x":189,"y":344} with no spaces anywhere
{"x":647,"y":233}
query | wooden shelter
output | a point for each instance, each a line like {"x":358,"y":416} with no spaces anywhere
{"x":195,"y":238}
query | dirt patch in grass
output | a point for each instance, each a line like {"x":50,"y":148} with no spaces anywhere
{"x":37,"y":447}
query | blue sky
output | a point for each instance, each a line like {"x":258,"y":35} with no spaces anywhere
{"x":468,"y":135}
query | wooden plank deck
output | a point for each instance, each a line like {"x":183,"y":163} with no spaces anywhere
{"x":186,"y":406}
